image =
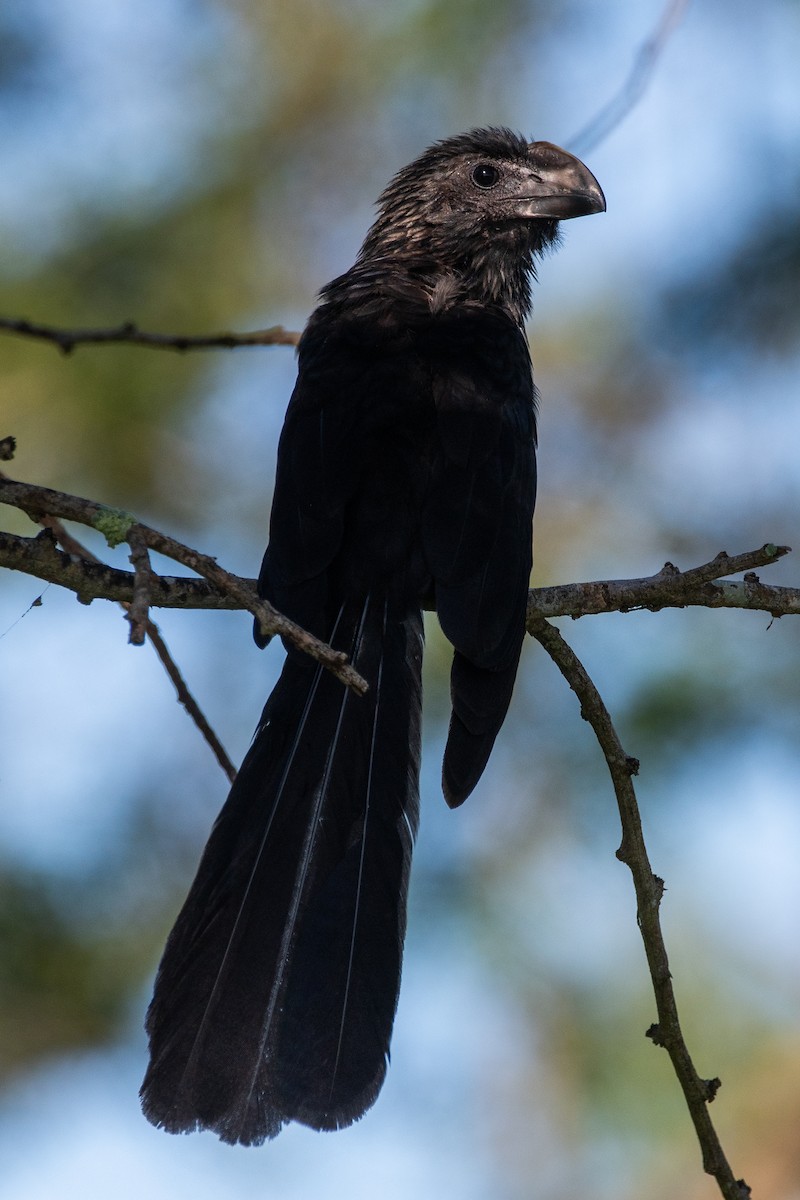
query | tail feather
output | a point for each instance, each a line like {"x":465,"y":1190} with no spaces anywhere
{"x":277,"y":991}
{"x":480,"y":698}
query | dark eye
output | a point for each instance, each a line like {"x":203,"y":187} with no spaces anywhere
{"x":485,"y":175}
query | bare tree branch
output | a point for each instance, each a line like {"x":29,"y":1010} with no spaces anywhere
{"x":697,"y":1092}
{"x":129,"y":333}
{"x":701,"y":586}
{"x":118,"y":526}
{"x":91,"y":579}
{"x":644,"y":64}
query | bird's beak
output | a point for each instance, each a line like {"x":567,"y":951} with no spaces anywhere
{"x":560,"y":186}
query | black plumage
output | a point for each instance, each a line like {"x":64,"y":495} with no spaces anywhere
{"x":406,"y":476}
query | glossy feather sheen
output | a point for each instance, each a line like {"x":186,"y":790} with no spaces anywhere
{"x":406,"y":476}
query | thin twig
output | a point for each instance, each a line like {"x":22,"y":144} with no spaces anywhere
{"x":130,"y":334}
{"x":139,"y":609}
{"x":188,"y":701}
{"x":644,"y":64}
{"x":697,"y":1092}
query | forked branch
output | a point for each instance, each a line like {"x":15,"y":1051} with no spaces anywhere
{"x":118,"y":526}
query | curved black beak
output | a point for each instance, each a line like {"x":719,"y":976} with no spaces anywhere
{"x":561,"y":186}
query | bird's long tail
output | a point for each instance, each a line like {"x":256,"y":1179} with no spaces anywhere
{"x":276,"y":995}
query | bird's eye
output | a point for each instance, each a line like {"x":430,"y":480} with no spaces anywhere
{"x":485,"y":175}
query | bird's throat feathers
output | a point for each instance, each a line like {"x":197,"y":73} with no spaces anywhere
{"x":457,"y":261}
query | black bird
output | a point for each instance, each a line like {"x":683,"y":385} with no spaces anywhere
{"x":406,"y":478}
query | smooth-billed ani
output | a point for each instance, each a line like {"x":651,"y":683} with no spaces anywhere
{"x":406,"y":477}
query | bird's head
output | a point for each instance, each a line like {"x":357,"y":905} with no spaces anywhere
{"x":482,"y":205}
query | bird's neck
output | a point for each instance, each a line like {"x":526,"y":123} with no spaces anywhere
{"x":492,"y":277}
{"x":486,"y":278}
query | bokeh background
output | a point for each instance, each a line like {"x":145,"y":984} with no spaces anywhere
{"x":198,"y":165}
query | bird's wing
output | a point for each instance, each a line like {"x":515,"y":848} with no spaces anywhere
{"x":318,"y":472}
{"x":478,"y":513}
{"x":353,"y":467}
{"x":477,"y":528}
